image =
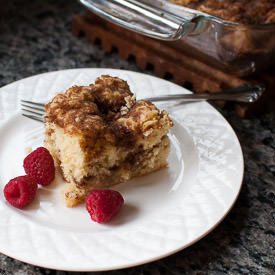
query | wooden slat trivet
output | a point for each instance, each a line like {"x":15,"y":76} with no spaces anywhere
{"x":165,"y":59}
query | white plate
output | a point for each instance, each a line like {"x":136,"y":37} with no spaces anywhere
{"x":163,"y":213}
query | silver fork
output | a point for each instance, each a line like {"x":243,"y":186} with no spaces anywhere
{"x":244,"y":93}
{"x":33,"y":110}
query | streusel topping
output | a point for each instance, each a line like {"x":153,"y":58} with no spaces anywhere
{"x":106,"y":110}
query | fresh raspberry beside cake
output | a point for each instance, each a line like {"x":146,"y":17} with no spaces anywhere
{"x":100,"y":136}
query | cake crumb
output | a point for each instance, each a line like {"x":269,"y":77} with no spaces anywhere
{"x":28,"y":150}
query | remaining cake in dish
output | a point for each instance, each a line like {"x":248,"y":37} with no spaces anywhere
{"x":100,"y":136}
{"x":240,"y":11}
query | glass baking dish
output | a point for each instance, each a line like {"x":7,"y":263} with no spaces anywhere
{"x":234,"y":48}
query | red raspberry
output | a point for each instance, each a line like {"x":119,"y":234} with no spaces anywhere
{"x":39,"y":164}
{"x":103,"y":205}
{"x":20,"y":191}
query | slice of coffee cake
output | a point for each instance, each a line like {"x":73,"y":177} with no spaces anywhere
{"x":101,"y":136}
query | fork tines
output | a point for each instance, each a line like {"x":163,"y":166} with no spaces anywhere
{"x":33,"y":110}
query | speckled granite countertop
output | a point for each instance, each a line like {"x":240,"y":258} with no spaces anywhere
{"x":35,"y":37}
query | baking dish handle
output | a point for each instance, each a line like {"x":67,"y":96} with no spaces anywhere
{"x":141,"y":18}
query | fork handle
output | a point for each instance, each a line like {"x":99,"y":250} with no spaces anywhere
{"x":244,"y":93}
